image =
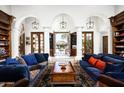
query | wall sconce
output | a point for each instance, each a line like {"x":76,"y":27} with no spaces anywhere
{"x":27,"y":40}
{"x":90,"y":23}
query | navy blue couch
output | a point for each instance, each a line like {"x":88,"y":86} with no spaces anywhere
{"x":18,"y":75}
{"x":36,"y":64}
{"x":114,"y":70}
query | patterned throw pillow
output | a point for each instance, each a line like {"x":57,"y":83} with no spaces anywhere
{"x":92,"y":61}
{"x":100,"y":65}
{"x":21,"y":60}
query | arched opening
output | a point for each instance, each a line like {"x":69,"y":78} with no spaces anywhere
{"x":62,"y":28}
{"x":93,"y":37}
{"x":22,"y":36}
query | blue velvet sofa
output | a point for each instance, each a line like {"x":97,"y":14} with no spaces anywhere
{"x":14,"y":76}
{"x":35,"y":63}
{"x":114,"y":67}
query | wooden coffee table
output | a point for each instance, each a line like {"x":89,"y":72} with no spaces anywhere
{"x":63,"y":76}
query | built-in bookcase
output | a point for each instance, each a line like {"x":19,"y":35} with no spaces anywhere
{"x":5,"y":35}
{"x":117,"y":23}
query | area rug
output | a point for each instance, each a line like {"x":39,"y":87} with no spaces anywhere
{"x":82,"y":77}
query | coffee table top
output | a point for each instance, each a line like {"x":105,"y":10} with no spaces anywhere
{"x":68,"y":67}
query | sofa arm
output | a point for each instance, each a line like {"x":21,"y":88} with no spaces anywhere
{"x":22,"y":83}
{"x":109,"y":81}
{"x":116,"y":75}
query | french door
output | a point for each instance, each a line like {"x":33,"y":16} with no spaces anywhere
{"x":37,"y":42}
{"x":87,"y":42}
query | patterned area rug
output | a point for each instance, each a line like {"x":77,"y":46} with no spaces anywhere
{"x":83,"y":79}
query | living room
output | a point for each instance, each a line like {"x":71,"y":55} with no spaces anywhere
{"x":61,"y":45}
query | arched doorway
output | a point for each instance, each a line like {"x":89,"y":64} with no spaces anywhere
{"x":60,"y":39}
{"x":22,"y":36}
{"x":92,"y":37}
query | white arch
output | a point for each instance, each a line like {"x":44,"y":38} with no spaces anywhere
{"x":68,"y":18}
{"x":105,"y":29}
{"x":15,"y":34}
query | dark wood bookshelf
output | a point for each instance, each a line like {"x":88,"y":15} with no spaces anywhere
{"x":121,"y":30}
{"x":5,"y":34}
{"x":3,"y":21}
{"x":117,"y":23}
{"x":118,"y":36}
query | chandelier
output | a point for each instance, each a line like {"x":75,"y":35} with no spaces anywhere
{"x":90,"y":23}
{"x":35,"y":24}
{"x":63,"y":23}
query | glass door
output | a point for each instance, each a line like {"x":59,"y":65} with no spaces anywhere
{"x":62,"y":44}
{"x":37,"y":42}
{"x":87,"y":42}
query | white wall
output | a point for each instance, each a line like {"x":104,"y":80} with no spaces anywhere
{"x":118,"y":8}
{"x":78,"y":13}
{"x":47,"y":13}
{"x":6,"y":8}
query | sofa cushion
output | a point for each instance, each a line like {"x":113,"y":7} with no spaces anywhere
{"x":92,"y":61}
{"x":40,"y":57}
{"x":114,"y":67}
{"x":93,"y":72}
{"x":115,"y":56}
{"x":84,"y":64}
{"x":30,"y":59}
{"x":113,"y":60}
{"x":11,"y":61}
{"x":100,"y":65}
{"x":11,"y":73}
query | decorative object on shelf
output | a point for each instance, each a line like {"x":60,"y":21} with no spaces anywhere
{"x":35,"y":24}
{"x":90,"y":23}
{"x":2,"y":51}
{"x":63,"y":23}
{"x":27,"y":40}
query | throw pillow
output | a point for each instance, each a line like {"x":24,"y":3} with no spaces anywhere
{"x":21,"y":60}
{"x":92,"y":61}
{"x":30,"y":59}
{"x":100,"y":65}
{"x":11,"y":61}
{"x":46,"y":55}
{"x":40,"y":57}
